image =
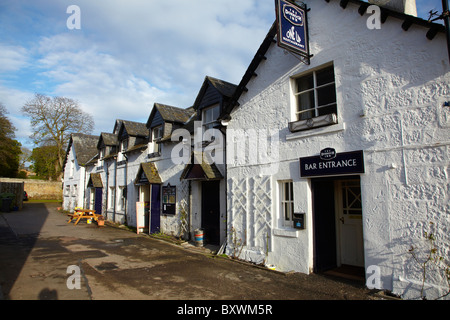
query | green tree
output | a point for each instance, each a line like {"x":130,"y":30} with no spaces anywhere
{"x":9,"y":147}
{"x":53,"y":119}
{"x":44,"y":161}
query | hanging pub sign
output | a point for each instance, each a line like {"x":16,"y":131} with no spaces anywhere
{"x":169,"y":195}
{"x":331,"y":163}
{"x":292,"y":32}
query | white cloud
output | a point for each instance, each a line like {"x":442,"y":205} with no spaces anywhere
{"x":129,"y":54}
{"x":12,"y":58}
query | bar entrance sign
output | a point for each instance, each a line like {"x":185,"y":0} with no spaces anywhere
{"x":331,"y":163}
{"x":292,"y":27}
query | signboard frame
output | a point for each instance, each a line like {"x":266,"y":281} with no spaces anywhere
{"x":292,"y":27}
{"x":330,"y":163}
{"x":169,"y":199}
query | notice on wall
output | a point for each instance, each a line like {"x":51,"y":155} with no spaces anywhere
{"x":169,"y":196}
{"x":331,"y":163}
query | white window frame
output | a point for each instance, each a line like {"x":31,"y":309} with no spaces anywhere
{"x":315,"y":120}
{"x":209,"y":116}
{"x":123,"y":148}
{"x":67,"y":190}
{"x":286,"y":217}
{"x":101,"y":156}
{"x":121,"y":199}
{"x":157,"y":134}
{"x":111,"y":196}
{"x":314,"y":89}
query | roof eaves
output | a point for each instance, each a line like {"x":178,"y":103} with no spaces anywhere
{"x":408,"y":20}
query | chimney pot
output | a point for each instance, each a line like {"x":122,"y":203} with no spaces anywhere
{"x":403,"y":6}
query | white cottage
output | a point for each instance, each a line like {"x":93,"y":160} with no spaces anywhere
{"x":132,"y":142}
{"x":80,"y":150}
{"x":158,"y":198}
{"x":206,"y":170}
{"x":342,"y":163}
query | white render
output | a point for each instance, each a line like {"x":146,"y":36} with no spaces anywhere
{"x":74,"y":182}
{"x":391,"y":86}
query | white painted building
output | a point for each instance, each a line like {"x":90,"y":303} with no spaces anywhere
{"x":206,"y":171}
{"x":80,"y":150}
{"x":356,"y":144}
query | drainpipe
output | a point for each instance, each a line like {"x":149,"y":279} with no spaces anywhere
{"x":107,"y":189}
{"x":445,"y":16}
{"x":115,"y":189}
{"x":84,"y":189}
{"x":190,"y":211}
{"x":125,"y":207}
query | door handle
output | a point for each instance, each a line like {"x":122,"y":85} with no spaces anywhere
{"x":342,"y":219}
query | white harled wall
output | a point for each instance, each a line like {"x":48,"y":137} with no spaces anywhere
{"x":75,"y":179}
{"x":391,"y":86}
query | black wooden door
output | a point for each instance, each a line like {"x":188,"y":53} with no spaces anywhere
{"x":98,"y":200}
{"x":324,"y":225}
{"x":211,"y":211}
{"x":155,"y":208}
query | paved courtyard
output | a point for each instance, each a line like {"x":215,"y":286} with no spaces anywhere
{"x":42,"y":255}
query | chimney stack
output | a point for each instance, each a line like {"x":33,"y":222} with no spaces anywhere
{"x":403,"y":6}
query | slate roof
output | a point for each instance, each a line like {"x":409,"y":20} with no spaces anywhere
{"x":150,"y":171}
{"x":226,"y":89}
{"x":174,"y":114}
{"x":109,"y":139}
{"x":95,"y":180}
{"x":170,"y":114}
{"x":137,"y":129}
{"x":85,"y":147}
{"x":200,"y":169}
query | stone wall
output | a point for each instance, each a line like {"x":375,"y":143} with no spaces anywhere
{"x":39,"y":189}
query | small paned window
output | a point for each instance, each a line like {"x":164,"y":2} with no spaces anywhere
{"x":157,"y":134}
{"x":316,"y":94}
{"x":287,"y":202}
{"x":210,"y":116}
{"x":112,"y":195}
{"x":351,"y":198}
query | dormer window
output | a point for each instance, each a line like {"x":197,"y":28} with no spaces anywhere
{"x":123,"y":148}
{"x":101,"y":156}
{"x":157,"y":134}
{"x":210,"y":116}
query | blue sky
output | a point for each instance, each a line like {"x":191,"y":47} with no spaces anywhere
{"x":127,"y":54}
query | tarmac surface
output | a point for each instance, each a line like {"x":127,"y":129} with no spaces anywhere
{"x":45,"y":258}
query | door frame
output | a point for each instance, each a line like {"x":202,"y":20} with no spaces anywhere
{"x":98,"y":200}
{"x":211,"y":223}
{"x":155,"y":208}
{"x":335,"y":182}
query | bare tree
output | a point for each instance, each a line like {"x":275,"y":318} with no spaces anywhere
{"x":53,"y":119}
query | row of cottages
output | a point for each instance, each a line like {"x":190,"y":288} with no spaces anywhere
{"x":336,"y":162}
{"x":155,"y":176}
